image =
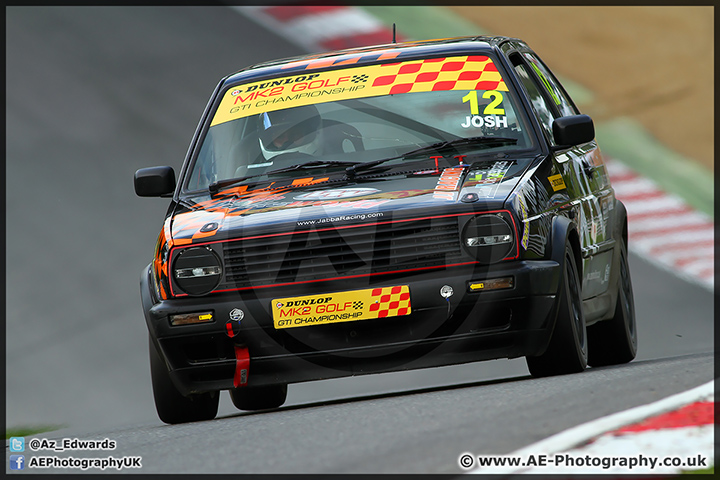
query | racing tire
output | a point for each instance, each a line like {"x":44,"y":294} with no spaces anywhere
{"x":172,"y":407}
{"x":614,"y":341}
{"x":259,"y":398}
{"x":568,"y":348}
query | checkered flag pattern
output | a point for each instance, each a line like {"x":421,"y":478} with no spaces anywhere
{"x":359,"y":78}
{"x":476,"y":72}
{"x":358,"y":305}
{"x":391,"y":301}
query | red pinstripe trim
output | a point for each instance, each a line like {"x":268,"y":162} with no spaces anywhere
{"x":512,"y":219}
{"x":340,"y":278}
{"x":271,"y":235}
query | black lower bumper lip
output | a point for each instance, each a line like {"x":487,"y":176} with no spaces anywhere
{"x":218,"y":375}
{"x":466,"y":327}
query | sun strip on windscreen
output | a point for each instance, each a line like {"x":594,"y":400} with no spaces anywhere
{"x":466,"y":73}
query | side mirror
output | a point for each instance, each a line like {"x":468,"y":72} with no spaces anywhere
{"x":573,"y":130}
{"x":154,"y":181}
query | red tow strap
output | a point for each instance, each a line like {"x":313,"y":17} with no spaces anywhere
{"x":242,"y":366}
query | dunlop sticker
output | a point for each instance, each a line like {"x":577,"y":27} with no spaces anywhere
{"x":341,"y":307}
{"x":557,"y":182}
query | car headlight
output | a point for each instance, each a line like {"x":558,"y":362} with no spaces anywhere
{"x":489,"y":238}
{"x":197,"y":270}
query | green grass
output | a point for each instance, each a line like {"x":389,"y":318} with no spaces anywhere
{"x":26,"y":430}
{"x":706,"y":471}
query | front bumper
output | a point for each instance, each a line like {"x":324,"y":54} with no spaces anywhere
{"x":466,"y":327}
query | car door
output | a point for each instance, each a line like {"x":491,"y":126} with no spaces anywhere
{"x":578,"y":175}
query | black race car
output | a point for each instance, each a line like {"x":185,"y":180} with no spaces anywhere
{"x":379,"y":209}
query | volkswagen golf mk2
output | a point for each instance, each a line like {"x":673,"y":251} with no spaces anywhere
{"x":379,"y":209}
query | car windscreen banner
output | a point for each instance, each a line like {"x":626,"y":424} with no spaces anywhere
{"x":463,"y":73}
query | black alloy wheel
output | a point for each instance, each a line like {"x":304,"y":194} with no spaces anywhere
{"x":614,"y":341}
{"x":568,"y":348}
{"x":172,"y":407}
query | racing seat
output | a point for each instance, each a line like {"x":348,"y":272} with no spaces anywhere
{"x":340,"y":137}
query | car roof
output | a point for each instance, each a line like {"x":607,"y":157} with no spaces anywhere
{"x":367,"y":55}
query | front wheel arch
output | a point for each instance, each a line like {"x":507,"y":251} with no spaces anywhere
{"x":565,"y":230}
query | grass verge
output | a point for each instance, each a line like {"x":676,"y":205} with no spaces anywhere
{"x":27,"y":430}
{"x":705,"y":471}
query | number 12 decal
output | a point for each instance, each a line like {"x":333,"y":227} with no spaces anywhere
{"x":491,"y":108}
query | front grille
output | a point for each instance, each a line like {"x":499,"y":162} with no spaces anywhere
{"x":312,"y":255}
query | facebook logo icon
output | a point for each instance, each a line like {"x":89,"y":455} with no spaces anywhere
{"x":17,"y":462}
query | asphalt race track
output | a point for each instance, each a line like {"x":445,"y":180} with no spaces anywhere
{"x":93,"y":94}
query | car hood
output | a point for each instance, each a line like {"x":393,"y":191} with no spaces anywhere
{"x":316,"y":201}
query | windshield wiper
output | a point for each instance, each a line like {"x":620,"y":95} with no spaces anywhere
{"x":313,"y":164}
{"x":354,"y":169}
{"x":215,"y":187}
{"x":464,"y":141}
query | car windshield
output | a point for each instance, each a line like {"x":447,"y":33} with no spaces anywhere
{"x":336,"y":119}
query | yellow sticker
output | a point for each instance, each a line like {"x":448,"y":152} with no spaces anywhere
{"x":557,"y":182}
{"x":341,"y":307}
{"x":432,"y":74}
